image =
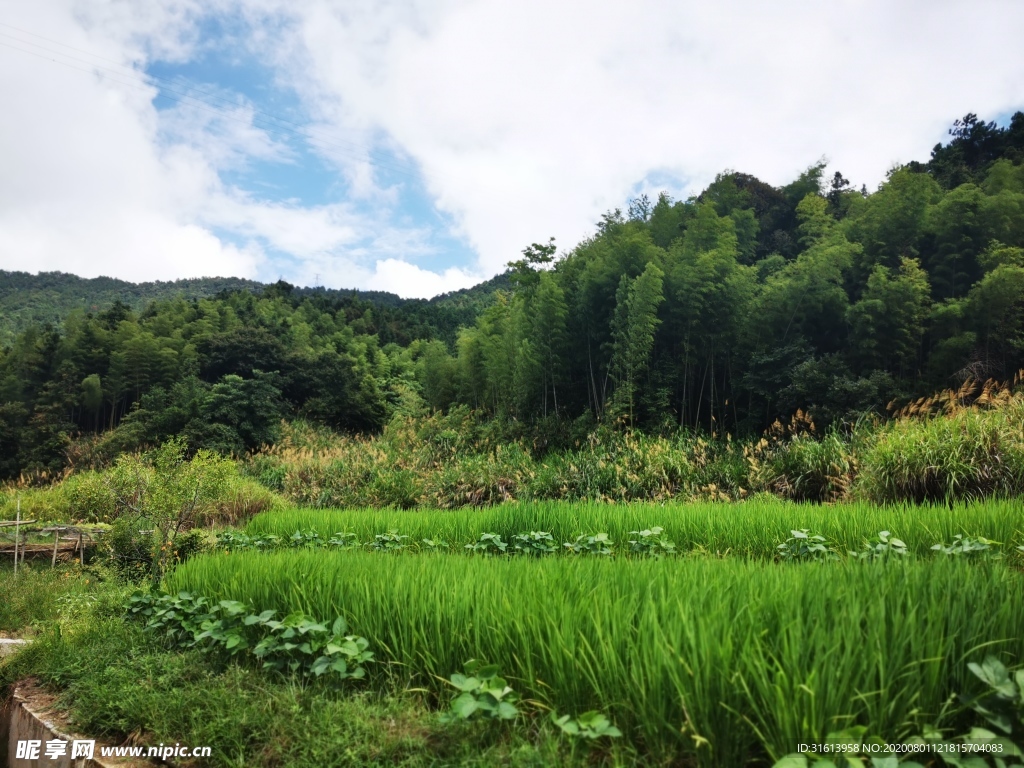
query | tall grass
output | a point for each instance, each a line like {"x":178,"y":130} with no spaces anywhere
{"x":715,"y":661}
{"x":968,"y":453}
{"x":89,"y":497}
{"x":752,"y":528}
{"x":962,"y":444}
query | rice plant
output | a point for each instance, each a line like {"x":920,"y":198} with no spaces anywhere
{"x":710,"y":661}
{"x":751,"y":529}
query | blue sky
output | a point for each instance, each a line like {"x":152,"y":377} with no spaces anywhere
{"x":416,"y":146}
{"x":222,"y":71}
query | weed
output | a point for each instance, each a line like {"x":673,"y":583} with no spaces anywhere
{"x":803,"y":545}
{"x":391,"y":541}
{"x":883,"y":547}
{"x":488,"y":544}
{"x":482,"y":693}
{"x":968,"y":547}
{"x":590,"y":725}
{"x":535,"y":543}
{"x":651,"y":543}
{"x":596,"y":544}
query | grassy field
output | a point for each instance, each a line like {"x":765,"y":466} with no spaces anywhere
{"x":753,"y":528}
{"x":719,"y":660}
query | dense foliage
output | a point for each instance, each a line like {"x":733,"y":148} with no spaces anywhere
{"x":720,"y":313}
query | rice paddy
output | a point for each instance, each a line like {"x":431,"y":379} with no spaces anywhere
{"x":715,"y":660}
{"x":751,"y":529}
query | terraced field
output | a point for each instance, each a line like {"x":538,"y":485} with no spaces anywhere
{"x":718,"y":653}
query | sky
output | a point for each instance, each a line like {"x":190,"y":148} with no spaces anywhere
{"x":416,"y":146}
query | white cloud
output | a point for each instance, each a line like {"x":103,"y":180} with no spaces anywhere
{"x":97,"y":181}
{"x":532,"y":118}
{"x":528,"y":119}
{"x":411,"y":281}
{"x":87,"y":187}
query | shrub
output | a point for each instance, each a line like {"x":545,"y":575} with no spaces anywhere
{"x":629,"y":467}
{"x":596,"y":544}
{"x":400,"y":488}
{"x":534,"y":543}
{"x":590,"y":725}
{"x":88,"y":496}
{"x":240,"y":499}
{"x":296,"y":645}
{"x":480,"y":479}
{"x":651,"y":543}
{"x":969,"y":547}
{"x":803,"y":545}
{"x":482,"y":693}
{"x":166,"y":494}
{"x":804,"y":468}
{"x":488,"y":544}
{"x":128,"y":548}
{"x":884,"y":547}
{"x":969,"y":454}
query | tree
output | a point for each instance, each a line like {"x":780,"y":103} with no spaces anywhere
{"x":524,"y":271}
{"x":957,"y":227}
{"x":893,"y":220}
{"x":247,"y":410}
{"x":888,"y":322}
{"x":166,"y":492}
{"x":995,"y":306}
{"x":633,"y":327}
{"x":92,"y":397}
{"x":549,"y":313}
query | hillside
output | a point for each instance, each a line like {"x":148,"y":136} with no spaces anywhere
{"x":48,"y":297}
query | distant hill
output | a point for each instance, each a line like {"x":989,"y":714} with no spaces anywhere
{"x":48,"y":297}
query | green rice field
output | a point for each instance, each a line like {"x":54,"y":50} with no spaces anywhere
{"x":706,"y":659}
{"x":753,"y":528}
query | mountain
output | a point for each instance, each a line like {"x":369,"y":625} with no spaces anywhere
{"x":48,"y":297}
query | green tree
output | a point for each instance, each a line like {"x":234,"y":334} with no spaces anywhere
{"x":549,"y":314}
{"x":239,"y":414}
{"x":995,"y":306}
{"x":167,"y":492}
{"x":888,"y":322}
{"x":633,"y":328}
{"x":92,"y":397}
{"x":891,"y":224}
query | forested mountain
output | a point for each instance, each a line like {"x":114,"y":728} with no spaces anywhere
{"x":719,"y":313}
{"x":48,"y":297}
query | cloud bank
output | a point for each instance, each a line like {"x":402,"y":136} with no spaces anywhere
{"x":518,"y":120}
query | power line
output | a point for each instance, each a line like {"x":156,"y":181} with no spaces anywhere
{"x":131,"y":78}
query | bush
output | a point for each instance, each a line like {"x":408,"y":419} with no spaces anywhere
{"x":807,"y":469}
{"x":969,"y":454}
{"x":41,"y":504}
{"x":241,"y":499}
{"x":480,"y":479}
{"x":628,"y":467}
{"x":128,"y":548}
{"x":89,"y":497}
